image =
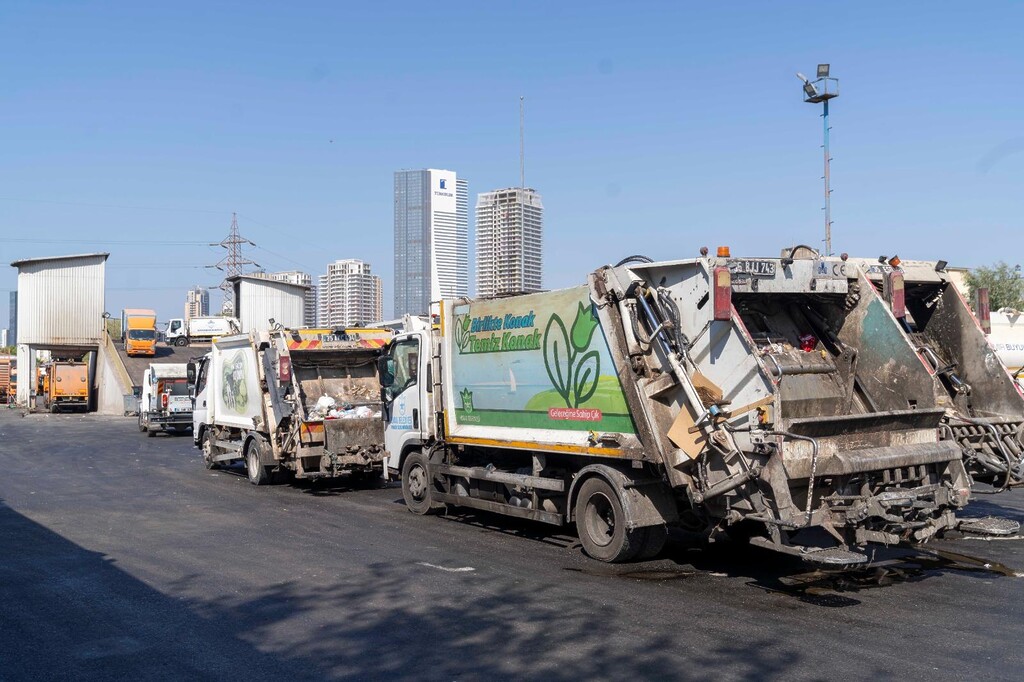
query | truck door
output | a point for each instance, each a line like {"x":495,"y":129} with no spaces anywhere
{"x":199,"y":409}
{"x":402,"y":390}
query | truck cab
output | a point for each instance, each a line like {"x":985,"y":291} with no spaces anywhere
{"x":139,"y":329}
{"x":407,"y":380}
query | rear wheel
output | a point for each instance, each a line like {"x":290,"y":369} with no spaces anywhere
{"x":654,"y":541}
{"x":416,"y":484}
{"x":253,"y":464}
{"x":601,"y":523}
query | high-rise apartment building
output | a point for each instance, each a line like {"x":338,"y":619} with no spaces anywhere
{"x":509,"y":232}
{"x":309,"y":306}
{"x":431,"y":239}
{"x":12,"y":330}
{"x":197,"y":303}
{"x":350,"y":294}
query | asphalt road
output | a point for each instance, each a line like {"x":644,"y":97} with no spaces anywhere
{"x":122,"y":557}
{"x":164,"y":354}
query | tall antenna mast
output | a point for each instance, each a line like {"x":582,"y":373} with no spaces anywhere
{"x":522,"y":149}
{"x":233,"y":262}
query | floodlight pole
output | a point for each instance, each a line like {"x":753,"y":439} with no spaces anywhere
{"x":828,"y":190}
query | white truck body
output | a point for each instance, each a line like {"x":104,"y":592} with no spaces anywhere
{"x":181,"y":332}
{"x":1007,"y":338}
{"x":165,"y":403}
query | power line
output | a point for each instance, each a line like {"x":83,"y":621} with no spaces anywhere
{"x":107,"y":242}
{"x":128,"y":208}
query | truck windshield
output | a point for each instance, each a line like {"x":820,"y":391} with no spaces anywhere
{"x":177,"y":387}
{"x":142,"y":334}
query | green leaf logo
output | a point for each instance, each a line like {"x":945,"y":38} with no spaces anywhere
{"x":583,"y":328}
{"x":572,"y":369}
{"x":467,"y":400}
{"x":462,"y":325}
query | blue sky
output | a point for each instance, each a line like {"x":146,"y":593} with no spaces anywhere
{"x":651,"y":128}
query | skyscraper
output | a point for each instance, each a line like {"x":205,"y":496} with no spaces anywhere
{"x":309,"y":306}
{"x":12,"y":330}
{"x":509,"y":232}
{"x":197,"y":303}
{"x":431,"y":239}
{"x":349,"y":294}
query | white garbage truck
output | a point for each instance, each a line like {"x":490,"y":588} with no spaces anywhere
{"x":182,"y":332}
{"x":302,"y":403}
{"x":165,"y":404}
{"x":775,"y":399}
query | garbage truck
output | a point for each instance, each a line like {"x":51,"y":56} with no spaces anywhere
{"x":776,"y":400}
{"x":65,"y":385}
{"x":984,"y":406}
{"x":182,"y":332}
{"x":165,"y":403}
{"x":302,"y":403}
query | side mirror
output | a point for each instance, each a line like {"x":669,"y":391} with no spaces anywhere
{"x":386,"y":369}
{"x":190,"y":372}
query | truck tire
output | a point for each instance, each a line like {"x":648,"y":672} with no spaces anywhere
{"x":601,"y":524}
{"x":142,"y":427}
{"x":181,"y":341}
{"x":416,"y":485}
{"x":150,"y":432}
{"x":254,"y":465}
{"x":653,"y":542}
{"x":209,"y":450}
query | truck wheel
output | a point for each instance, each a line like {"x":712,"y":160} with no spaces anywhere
{"x":254,"y":466}
{"x":209,"y":450}
{"x":142,"y":427}
{"x":654,"y":541}
{"x":601,"y":523}
{"x":416,"y":485}
{"x":181,"y":341}
{"x":150,"y":432}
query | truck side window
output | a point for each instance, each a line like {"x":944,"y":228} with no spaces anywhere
{"x":201,"y":379}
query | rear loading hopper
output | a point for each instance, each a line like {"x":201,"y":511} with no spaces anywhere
{"x":983,"y":407}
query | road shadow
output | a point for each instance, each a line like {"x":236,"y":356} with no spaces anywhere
{"x":71,"y":613}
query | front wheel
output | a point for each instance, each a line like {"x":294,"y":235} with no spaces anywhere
{"x":209,"y":450}
{"x":601,"y":523}
{"x":142,"y":427}
{"x":416,"y":485}
{"x":181,"y":341}
{"x":254,"y":466}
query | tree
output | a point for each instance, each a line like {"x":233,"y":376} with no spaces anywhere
{"x":1004,"y":284}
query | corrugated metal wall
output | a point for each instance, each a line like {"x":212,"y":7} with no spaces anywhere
{"x":257,"y":301}
{"x":60,"y":301}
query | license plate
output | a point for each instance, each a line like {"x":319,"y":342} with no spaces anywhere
{"x":752,"y":268}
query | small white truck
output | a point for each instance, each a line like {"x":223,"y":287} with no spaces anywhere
{"x":1007,"y":338}
{"x":181,"y":332}
{"x":165,"y":404}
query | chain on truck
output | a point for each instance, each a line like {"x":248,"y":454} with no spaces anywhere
{"x":303,"y":403}
{"x":775,"y":399}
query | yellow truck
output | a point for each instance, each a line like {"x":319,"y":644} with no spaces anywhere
{"x":138,"y":329}
{"x":66,"y":386}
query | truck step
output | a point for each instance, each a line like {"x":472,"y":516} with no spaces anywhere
{"x":826,"y":556}
{"x":990,"y":525}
